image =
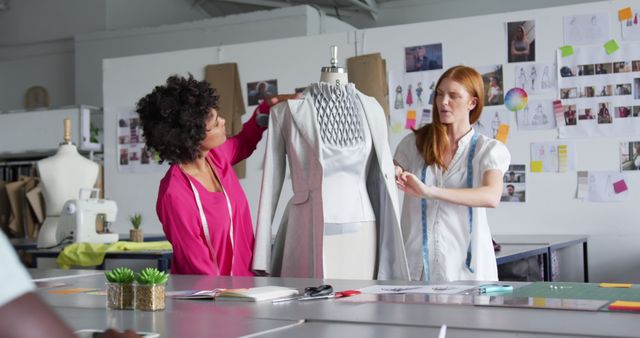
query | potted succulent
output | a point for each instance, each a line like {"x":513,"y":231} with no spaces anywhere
{"x":135,"y":234}
{"x":120,"y":288}
{"x":150,"y":284}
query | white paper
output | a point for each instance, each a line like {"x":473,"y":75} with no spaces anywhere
{"x":132,"y":154}
{"x":583,"y":184}
{"x":631,"y":27}
{"x":491,"y":119}
{"x":538,"y":114}
{"x":602,"y":90}
{"x":411,"y":92}
{"x":586,"y":29}
{"x":555,"y":156}
{"x":601,"y":187}
{"x":447,"y":289}
{"x":535,"y":78}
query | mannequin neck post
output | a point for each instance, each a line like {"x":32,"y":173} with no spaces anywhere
{"x":334,"y":78}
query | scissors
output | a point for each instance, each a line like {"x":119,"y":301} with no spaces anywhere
{"x":311,"y":293}
{"x":346,"y":293}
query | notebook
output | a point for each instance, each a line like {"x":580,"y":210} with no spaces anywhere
{"x":242,"y":295}
{"x":256,"y":294}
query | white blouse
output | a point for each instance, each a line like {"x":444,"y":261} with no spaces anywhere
{"x":448,"y":223}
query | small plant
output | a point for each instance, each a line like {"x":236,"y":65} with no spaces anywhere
{"x":152,"y":276}
{"x":136,"y":220}
{"x":120,"y":275}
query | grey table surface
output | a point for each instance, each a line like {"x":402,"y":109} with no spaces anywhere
{"x":400,"y":312}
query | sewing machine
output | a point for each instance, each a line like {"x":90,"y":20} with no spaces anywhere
{"x":78,"y":220}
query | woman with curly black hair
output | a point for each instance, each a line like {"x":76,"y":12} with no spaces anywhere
{"x":201,"y":205}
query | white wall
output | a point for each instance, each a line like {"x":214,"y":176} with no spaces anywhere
{"x":476,"y":41}
{"x":91,"y":49}
{"x":49,"y":65}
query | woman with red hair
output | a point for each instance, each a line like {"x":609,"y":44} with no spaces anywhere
{"x":450,"y":174}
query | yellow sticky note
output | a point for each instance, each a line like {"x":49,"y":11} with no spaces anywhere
{"x":566,"y":51}
{"x":503,"y":132}
{"x":411,"y":115}
{"x":615,"y":285}
{"x":536,"y":166}
{"x":611,"y":46}
{"x":625,"y":14}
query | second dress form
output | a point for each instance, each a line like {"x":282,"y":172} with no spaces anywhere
{"x":62,"y":176}
{"x":350,"y":234}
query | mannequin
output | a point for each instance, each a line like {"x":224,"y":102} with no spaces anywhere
{"x":62,"y":176}
{"x":343,"y":220}
{"x":349,"y":243}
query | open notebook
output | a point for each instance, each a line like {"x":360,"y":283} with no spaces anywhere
{"x":256,"y":294}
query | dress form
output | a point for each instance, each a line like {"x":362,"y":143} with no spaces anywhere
{"x":349,"y":248}
{"x":62,"y":176}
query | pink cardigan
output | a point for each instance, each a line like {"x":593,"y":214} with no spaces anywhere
{"x":180,"y":218}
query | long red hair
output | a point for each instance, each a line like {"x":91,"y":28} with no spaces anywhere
{"x":431,"y":139}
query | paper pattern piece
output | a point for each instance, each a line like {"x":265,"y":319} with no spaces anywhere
{"x":402,"y":289}
{"x":600,"y":93}
{"x":611,"y":46}
{"x":586,"y":29}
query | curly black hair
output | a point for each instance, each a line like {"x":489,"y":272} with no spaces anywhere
{"x":174,"y":117}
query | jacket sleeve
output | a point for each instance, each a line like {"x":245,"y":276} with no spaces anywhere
{"x":272,"y":180}
{"x":183,"y":228}
{"x":242,"y":145}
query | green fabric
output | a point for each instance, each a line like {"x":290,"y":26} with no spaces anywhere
{"x":92,"y":254}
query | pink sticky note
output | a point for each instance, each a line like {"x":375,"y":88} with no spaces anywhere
{"x":620,"y":186}
{"x":410,"y":124}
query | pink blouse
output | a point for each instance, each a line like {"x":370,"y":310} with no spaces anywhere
{"x":180,"y":218}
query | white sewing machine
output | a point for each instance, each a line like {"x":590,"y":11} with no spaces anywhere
{"x":78,"y":220}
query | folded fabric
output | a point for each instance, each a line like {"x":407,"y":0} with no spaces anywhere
{"x":92,"y":254}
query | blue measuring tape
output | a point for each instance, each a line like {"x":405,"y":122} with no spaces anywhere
{"x":425,"y":240}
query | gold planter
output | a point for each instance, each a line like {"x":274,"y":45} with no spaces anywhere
{"x":136,"y":235}
{"x":149,"y":297}
{"x":120,"y":296}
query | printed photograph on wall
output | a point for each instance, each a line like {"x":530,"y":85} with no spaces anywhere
{"x":493,"y":84}
{"x":630,"y":155}
{"x":521,"y":37}
{"x":425,"y":57}
{"x":514,"y":188}
{"x":261,"y":90}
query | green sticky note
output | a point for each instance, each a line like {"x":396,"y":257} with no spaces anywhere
{"x":536,"y":166}
{"x":566,"y":50}
{"x":611,"y":46}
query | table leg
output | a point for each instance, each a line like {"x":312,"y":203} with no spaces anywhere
{"x":585,"y":260}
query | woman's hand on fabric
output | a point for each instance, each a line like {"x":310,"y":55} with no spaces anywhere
{"x":411,"y":184}
{"x":279,"y":98}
